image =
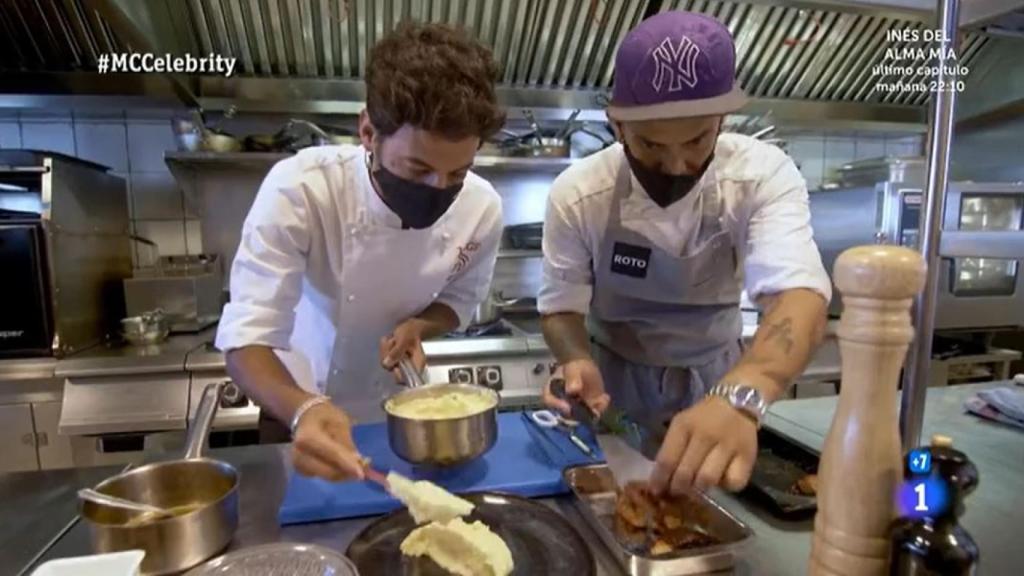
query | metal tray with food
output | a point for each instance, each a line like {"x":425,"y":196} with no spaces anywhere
{"x":716,"y":535}
{"x":784,"y":479}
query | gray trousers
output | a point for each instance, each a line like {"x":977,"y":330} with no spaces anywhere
{"x":651,"y":395}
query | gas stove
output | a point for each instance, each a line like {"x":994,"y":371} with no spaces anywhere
{"x":500,"y":356}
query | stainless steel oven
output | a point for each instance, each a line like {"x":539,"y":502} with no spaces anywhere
{"x":981,"y":283}
{"x":64,"y":249}
{"x":26,"y":321}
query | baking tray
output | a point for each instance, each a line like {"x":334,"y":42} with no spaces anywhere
{"x":781,"y":461}
{"x":595,"y":494}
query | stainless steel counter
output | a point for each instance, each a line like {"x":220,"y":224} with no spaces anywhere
{"x":993,"y":515}
{"x":192,"y":352}
{"x":121,"y":359}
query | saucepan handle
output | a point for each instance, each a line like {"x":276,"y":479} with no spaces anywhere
{"x":413,"y":379}
{"x":203,"y":421}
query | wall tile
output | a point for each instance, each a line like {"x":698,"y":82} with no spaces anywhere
{"x":127,"y":190}
{"x":193,"y":236}
{"x":870,"y":148}
{"x":518,"y":277}
{"x":147,"y":142}
{"x":156,"y":196}
{"x":10,"y":134}
{"x":45,"y":115}
{"x":168,"y":235}
{"x":153,"y":114}
{"x":809,"y":156}
{"x":904,"y":146}
{"x":524,"y":198}
{"x":51,"y":136}
{"x":838,"y":151}
{"x":104,"y":143}
{"x":103,"y":115}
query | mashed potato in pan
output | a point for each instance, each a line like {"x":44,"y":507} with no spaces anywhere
{"x":454,"y":404}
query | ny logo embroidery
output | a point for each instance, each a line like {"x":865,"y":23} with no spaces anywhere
{"x":675,"y":65}
{"x":462,"y":260}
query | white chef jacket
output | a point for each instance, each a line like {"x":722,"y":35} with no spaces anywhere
{"x":766,"y":212}
{"x":291,"y":248}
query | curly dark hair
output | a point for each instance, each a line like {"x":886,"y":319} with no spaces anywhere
{"x":433,"y":77}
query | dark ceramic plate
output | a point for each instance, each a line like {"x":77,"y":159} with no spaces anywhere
{"x":541,"y":541}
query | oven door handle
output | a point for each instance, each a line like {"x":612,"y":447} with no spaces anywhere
{"x":20,"y":170}
{"x":1007,"y":245}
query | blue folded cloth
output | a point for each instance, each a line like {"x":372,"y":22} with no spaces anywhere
{"x":1009,"y":401}
{"x":1004,"y":405}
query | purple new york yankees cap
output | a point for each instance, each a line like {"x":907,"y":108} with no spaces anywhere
{"x":676,"y":65}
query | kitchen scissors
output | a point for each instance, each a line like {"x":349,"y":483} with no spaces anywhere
{"x":551,"y":420}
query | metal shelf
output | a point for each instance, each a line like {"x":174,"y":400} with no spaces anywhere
{"x":263,"y":159}
{"x":520,"y":254}
{"x":517,"y":163}
{"x":217,"y":159}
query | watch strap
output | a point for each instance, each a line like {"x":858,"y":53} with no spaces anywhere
{"x":755,"y":410}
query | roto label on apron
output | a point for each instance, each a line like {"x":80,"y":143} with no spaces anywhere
{"x":630,"y":260}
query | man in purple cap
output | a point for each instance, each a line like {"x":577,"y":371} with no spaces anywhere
{"x":649,"y":244}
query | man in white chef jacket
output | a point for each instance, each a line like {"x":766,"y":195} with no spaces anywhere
{"x":648,"y":245}
{"x":351,"y":256}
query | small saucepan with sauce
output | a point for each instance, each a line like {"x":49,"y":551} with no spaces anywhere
{"x":442,"y":424}
{"x":201,"y":495}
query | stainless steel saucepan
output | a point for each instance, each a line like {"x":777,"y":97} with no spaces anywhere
{"x":201,"y":493}
{"x":441,"y":441}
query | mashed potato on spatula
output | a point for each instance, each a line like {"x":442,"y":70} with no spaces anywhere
{"x":427,"y":502}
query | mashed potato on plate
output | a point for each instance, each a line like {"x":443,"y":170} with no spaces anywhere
{"x":454,"y":404}
{"x":466,"y":549}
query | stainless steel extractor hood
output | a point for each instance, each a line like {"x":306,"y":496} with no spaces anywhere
{"x":798,"y":58}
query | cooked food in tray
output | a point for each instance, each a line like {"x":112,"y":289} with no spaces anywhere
{"x":659,"y":525}
{"x":806,"y":485}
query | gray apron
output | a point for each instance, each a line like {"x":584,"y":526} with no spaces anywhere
{"x":665,"y":327}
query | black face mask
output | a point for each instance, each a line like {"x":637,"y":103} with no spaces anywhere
{"x":663,"y":188}
{"x":418,"y":205}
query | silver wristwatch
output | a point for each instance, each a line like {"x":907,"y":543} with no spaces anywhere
{"x":742,"y":397}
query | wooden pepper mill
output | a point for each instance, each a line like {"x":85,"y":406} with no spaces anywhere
{"x":861,"y":460}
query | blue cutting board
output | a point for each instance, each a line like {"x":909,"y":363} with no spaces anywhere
{"x":525,"y":460}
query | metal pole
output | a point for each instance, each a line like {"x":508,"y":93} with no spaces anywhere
{"x":940,"y":136}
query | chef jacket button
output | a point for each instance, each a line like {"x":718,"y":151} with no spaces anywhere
{"x":446,"y":236}
{"x":334,"y":372}
{"x":434,"y":295}
{"x":351,"y":297}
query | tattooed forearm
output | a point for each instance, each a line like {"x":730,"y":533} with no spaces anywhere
{"x":779,"y":333}
{"x":785,"y":339}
